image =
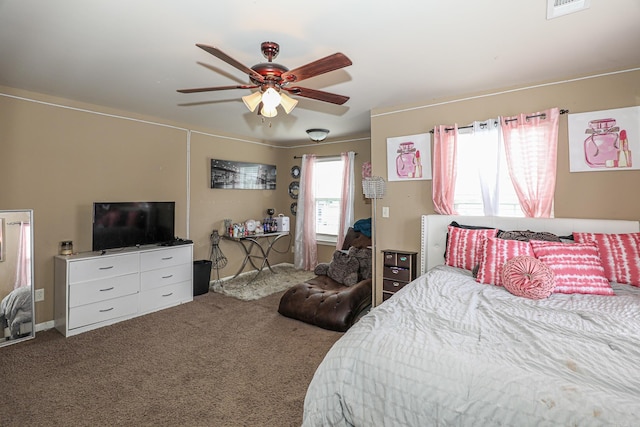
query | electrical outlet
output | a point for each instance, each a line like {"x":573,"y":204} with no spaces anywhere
{"x":385,"y":212}
{"x":39,"y":295}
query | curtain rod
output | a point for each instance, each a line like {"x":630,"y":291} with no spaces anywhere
{"x":321,"y":157}
{"x":507,"y":121}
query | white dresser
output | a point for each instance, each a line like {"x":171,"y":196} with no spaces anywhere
{"x":93,"y":290}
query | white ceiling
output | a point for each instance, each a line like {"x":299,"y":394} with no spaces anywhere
{"x":134,"y":55}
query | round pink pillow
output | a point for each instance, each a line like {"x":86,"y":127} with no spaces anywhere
{"x":526,"y":276}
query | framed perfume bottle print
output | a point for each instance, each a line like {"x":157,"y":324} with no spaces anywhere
{"x":409,"y":157}
{"x":604,"y":140}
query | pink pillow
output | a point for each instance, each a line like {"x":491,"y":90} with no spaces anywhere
{"x":526,"y":276}
{"x":494,"y":253}
{"x":464,"y":246}
{"x":620,"y":255}
{"x":576,"y":266}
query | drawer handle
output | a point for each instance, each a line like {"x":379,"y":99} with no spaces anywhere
{"x":396,"y":284}
{"x":167,"y":277}
{"x":105,"y":310}
{"x":167,"y":258}
{"x":395,"y":271}
{"x":107,"y":289}
{"x":168,"y":295}
{"x":106,"y":268}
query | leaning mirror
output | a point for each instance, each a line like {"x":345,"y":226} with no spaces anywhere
{"x":17,"y":321}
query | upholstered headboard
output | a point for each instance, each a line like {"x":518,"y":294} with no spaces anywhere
{"x":434,"y":230}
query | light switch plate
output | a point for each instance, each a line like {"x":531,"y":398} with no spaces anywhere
{"x":385,"y":212}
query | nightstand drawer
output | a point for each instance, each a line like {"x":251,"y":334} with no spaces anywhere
{"x":395,"y":273}
{"x":392,"y":285}
{"x":398,"y":259}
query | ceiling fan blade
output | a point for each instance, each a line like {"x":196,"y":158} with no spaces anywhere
{"x":229,"y":60}
{"x":317,"y":94}
{"x":211,"y":89}
{"x":315,"y":68}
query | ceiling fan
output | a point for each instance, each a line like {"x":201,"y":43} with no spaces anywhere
{"x":273,"y":80}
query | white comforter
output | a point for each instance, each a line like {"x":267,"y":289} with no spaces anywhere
{"x":447,"y":351}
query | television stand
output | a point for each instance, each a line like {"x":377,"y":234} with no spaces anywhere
{"x":94,"y":290}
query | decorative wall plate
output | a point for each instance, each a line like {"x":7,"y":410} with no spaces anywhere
{"x":295,"y":172}
{"x":294,"y":208}
{"x":294,"y":189}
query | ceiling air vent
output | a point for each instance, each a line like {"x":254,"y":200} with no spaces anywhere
{"x":556,"y":8}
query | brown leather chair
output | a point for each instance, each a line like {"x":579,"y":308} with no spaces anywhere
{"x":323,"y":302}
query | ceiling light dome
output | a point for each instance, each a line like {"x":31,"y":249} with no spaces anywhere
{"x":317,"y":134}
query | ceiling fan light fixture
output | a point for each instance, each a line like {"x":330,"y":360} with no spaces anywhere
{"x":317,"y":134}
{"x":288,"y":103}
{"x":270,"y":99}
{"x":268,"y":112}
{"x":252,"y":101}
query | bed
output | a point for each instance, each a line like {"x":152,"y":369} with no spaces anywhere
{"x":16,"y":317}
{"x":447,"y":350}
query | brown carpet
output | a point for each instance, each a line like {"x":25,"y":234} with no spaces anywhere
{"x":216,"y":361}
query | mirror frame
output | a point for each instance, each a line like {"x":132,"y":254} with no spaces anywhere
{"x":7,"y":340}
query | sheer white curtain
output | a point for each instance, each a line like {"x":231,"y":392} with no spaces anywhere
{"x":478,"y":161}
{"x":347,"y":196}
{"x":305,"y":256}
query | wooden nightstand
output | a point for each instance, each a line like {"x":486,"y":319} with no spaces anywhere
{"x":399,"y":269}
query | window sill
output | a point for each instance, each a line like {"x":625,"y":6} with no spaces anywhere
{"x":326,"y":242}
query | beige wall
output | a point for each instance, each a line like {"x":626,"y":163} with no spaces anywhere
{"x":58,"y":161}
{"x":59,"y":156}
{"x":581,"y":195}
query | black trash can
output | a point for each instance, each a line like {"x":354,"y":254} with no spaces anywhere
{"x":201,"y":276}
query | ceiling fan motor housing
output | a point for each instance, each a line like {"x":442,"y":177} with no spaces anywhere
{"x":271,"y":72}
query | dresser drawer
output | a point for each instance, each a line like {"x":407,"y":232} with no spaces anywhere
{"x":99,"y":290}
{"x":165,"y":258}
{"x":101,"y":267}
{"x":395,"y":273}
{"x":165,"y":276}
{"x":392,"y":285}
{"x":398,"y":259}
{"x":103,"y":310}
{"x":157,"y":298}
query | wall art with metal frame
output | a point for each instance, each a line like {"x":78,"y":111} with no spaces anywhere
{"x":604,"y":140}
{"x":229,"y":174}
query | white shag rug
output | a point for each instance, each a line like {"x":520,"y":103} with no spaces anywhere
{"x":246,"y":288}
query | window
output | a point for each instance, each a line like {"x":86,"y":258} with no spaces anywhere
{"x":482,"y":176}
{"x":328,"y":191}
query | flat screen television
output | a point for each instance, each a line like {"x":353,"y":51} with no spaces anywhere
{"x":125,"y":224}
